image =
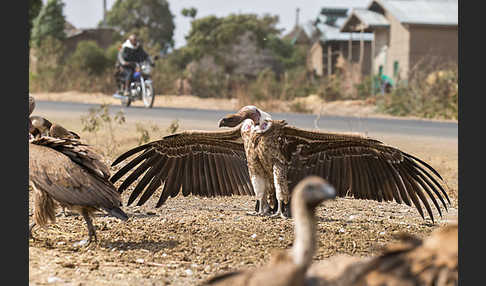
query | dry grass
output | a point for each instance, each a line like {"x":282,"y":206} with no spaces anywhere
{"x":190,"y":239}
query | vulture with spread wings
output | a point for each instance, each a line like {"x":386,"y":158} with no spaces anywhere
{"x":267,"y":158}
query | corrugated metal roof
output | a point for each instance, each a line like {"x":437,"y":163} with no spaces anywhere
{"x":370,"y":18}
{"x":331,"y":33}
{"x":344,"y":4}
{"x":431,"y":12}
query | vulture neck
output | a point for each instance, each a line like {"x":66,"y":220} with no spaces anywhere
{"x":305,"y":233}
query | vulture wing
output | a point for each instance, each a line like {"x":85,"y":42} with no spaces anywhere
{"x":364,"y":168}
{"x":71,"y":173}
{"x":201,"y":163}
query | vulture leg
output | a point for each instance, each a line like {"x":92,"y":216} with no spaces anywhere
{"x":64,"y":213}
{"x":286,"y":209}
{"x":91,"y":229}
{"x":258,"y":183}
{"x":281,"y":190}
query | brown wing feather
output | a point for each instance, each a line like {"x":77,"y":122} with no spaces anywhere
{"x":201,"y":163}
{"x":365,"y":168}
{"x":66,"y":171}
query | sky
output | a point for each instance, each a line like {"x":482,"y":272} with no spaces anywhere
{"x":87,"y":13}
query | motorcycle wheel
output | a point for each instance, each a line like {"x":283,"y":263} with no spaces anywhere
{"x":148,"y":97}
{"x":126,"y":101}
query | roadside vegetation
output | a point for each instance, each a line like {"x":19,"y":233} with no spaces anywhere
{"x":241,"y":56}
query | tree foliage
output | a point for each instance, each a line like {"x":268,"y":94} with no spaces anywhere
{"x":189,"y":12}
{"x":215,"y":35}
{"x":211,"y":33}
{"x":49,"y":22}
{"x":89,"y":57}
{"x":150,"y":19}
{"x":34,"y":9}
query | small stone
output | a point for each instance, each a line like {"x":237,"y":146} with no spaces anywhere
{"x":54,"y":279}
{"x":81,"y":243}
{"x":253,"y":235}
{"x":140,"y":260}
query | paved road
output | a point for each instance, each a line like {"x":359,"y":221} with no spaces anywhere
{"x":201,"y":119}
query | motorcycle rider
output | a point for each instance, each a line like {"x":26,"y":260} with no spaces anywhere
{"x":130,"y":53}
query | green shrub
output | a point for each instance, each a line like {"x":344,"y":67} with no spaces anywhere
{"x":428,"y":95}
{"x":89,"y":57}
{"x":205,"y":83}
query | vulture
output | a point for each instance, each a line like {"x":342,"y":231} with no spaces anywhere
{"x":66,"y":172}
{"x":267,"y":158}
{"x":410,"y":261}
{"x":43,"y":127}
{"x":288,"y":268}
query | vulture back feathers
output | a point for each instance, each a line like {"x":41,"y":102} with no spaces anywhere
{"x":410,"y":261}
{"x":72,"y":174}
{"x":68,"y":172}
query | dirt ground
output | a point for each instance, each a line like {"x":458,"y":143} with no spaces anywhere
{"x":189,"y":239}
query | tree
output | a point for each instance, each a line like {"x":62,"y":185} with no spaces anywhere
{"x":49,"y":22}
{"x":89,"y":57}
{"x":212,"y":34}
{"x":189,"y":12}
{"x":150,"y":19}
{"x":34,"y":9}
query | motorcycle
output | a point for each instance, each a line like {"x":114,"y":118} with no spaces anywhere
{"x":140,"y":88}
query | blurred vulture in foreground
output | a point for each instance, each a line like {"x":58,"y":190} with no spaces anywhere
{"x":409,"y":262}
{"x":288,"y":268}
{"x":69,"y":173}
{"x":268,"y":158}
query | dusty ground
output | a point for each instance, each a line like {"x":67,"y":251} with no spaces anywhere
{"x":189,"y":239}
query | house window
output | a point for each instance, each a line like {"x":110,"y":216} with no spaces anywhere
{"x":395,"y":68}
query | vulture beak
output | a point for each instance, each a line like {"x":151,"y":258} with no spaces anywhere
{"x":320,"y":191}
{"x":231,"y":120}
{"x":221,"y":122}
{"x":328,"y":191}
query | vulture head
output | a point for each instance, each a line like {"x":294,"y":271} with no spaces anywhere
{"x":58,"y":131}
{"x":31,"y":104}
{"x":311,"y":192}
{"x":31,"y":108}
{"x":247,"y":112}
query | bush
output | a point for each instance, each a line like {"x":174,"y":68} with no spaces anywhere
{"x":111,"y":54}
{"x":205,"y":83}
{"x":89,"y":57}
{"x":428,"y":94}
{"x":47,"y":73}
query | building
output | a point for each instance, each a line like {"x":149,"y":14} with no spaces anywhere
{"x":407,"y":32}
{"x":332,"y":44}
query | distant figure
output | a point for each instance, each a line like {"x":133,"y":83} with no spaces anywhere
{"x":131,"y":53}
